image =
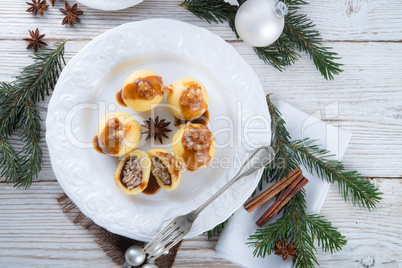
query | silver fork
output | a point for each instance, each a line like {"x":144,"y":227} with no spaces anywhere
{"x":181,"y":225}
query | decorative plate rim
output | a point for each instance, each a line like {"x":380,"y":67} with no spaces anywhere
{"x":250,"y":93}
{"x":109,"y":5}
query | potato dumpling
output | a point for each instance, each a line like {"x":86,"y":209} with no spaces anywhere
{"x":166,"y":168}
{"x":195,"y":145}
{"x":142,"y":91}
{"x":188,"y":100}
{"x":132,"y":174}
{"x":118,"y":134}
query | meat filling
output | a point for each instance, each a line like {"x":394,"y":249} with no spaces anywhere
{"x":197,"y":139}
{"x":192,"y":97}
{"x":196,"y":142}
{"x":145,"y":90}
{"x":161,"y":171}
{"x":131,"y":174}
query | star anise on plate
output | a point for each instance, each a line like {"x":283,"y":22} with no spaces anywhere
{"x":285,"y":249}
{"x":72,"y":13}
{"x":35,"y":40}
{"x":52,"y":2}
{"x":37,"y":6}
{"x":155,"y":128}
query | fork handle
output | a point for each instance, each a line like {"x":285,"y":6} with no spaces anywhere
{"x":261,"y":157}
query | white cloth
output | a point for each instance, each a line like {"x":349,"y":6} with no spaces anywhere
{"x":232,"y":242}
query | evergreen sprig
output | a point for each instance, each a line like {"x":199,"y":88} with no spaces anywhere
{"x":298,"y":35}
{"x":295,"y":224}
{"x":304,"y":229}
{"x":217,"y":230}
{"x":352,"y":186}
{"x":20,"y":114}
{"x":9,"y":161}
{"x":217,"y":11}
{"x":290,"y":154}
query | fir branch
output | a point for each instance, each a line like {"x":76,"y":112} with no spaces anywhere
{"x":217,"y":230}
{"x":36,"y":79}
{"x":6,"y":88}
{"x":32,"y":84}
{"x":283,"y":162}
{"x":301,"y":234}
{"x":212,"y":10}
{"x":327,"y":236}
{"x":9,"y":111}
{"x":18,"y":111}
{"x":264,"y":239}
{"x":9,"y":161}
{"x":296,"y":225}
{"x":31,"y":161}
{"x":294,"y":4}
{"x":298,"y":35}
{"x":280,"y":54}
{"x":300,"y":32}
{"x":353,"y":187}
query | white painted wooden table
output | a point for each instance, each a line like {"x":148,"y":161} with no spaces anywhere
{"x":367,"y":34}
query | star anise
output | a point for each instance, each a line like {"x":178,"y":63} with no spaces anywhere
{"x":37,"y":6}
{"x":156,"y":129}
{"x":35,"y":40}
{"x":282,"y":248}
{"x":71,"y":13}
{"x":52,"y":2}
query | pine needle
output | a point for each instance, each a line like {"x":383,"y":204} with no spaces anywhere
{"x":9,"y":161}
{"x":18,"y":111}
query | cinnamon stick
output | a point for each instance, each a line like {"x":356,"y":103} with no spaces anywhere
{"x":273,"y":190}
{"x":283,"y":199}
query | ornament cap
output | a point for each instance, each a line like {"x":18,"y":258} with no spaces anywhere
{"x":281,"y":9}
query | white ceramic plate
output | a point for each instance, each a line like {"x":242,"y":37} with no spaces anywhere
{"x":86,"y":91}
{"x":109,"y":4}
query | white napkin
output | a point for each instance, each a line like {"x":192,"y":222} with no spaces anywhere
{"x":232,"y":242}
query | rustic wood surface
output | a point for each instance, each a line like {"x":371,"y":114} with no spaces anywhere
{"x":368,"y":96}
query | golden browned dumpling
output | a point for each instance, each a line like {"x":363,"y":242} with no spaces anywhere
{"x":132,"y":174}
{"x":195,"y":145}
{"x":188,"y":100}
{"x":166,"y":168}
{"x":142,"y":91}
{"x":118,"y":134}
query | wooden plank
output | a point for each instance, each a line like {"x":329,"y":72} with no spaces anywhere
{"x":352,"y":20}
{"x":373,"y":237}
{"x":34,"y":232}
{"x":367,"y":97}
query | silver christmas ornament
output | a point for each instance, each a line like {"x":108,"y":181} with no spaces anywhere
{"x":135,"y":256}
{"x":259,"y":23}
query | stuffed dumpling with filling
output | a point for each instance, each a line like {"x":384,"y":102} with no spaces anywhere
{"x":166,"y":168}
{"x":132,"y":174}
{"x":118,"y":134}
